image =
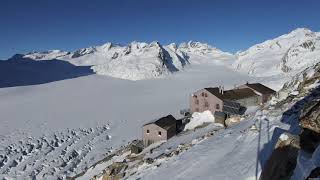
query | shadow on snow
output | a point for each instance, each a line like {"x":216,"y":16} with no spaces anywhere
{"x":19,"y":71}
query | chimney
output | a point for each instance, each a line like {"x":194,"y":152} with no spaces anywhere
{"x":222,"y":89}
{"x":219,"y":89}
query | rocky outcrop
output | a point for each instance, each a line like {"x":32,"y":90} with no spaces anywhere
{"x":297,"y":156}
{"x":114,"y":172}
{"x":280,"y":164}
{"x":82,"y":52}
{"x":283,"y":159}
{"x":310,"y":140}
{"x":311,"y":120}
{"x":283,"y":63}
{"x":315,"y":173}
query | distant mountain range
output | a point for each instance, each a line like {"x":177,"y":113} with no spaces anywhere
{"x":135,"y":61}
{"x":289,"y":53}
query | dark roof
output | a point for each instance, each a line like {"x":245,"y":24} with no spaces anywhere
{"x":165,"y":122}
{"x":231,"y":104}
{"x":233,"y":94}
{"x":230,"y":110}
{"x":261,"y":88}
{"x":219,"y":114}
{"x":214,"y":91}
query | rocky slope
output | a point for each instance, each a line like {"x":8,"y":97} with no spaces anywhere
{"x":296,"y":155}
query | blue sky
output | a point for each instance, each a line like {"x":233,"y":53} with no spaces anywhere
{"x":231,"y":25}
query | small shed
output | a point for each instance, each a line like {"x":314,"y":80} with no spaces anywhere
{"x":136,"y":146}
{"x":220,"y":117}
{"x":181,"y":123}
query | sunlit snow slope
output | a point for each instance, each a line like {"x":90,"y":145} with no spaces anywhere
{"x":136,"y":60}
{"x":287,"y":54}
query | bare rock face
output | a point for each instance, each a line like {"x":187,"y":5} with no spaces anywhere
{"x":311,"y":120}
{"x":82,"y":52}
{"x":283,"y":159}
{"x":310,"y":140}
{"x":314,"y":173}
{"x":281,"y":163}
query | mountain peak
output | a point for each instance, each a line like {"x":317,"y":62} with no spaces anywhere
{"x":107,"y":46}
{"x":16,"y":57}
{"x":299,"y":32}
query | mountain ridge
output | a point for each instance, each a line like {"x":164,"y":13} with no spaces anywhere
{"x":284,"y":55}
{"x":135,"y":61}
{"x":287,"y":53}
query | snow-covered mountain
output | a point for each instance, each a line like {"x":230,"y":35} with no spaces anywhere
{"x":287,"y":54}
{"x":137,"y":60}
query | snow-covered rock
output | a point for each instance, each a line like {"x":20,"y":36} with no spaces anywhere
{"x":140,"y":61}
{"x":47,"y":55}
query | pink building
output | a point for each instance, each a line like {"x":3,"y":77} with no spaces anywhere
{"x":230,"y":102}
{"x":159,"y":130}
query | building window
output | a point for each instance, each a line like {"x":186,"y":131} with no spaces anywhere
{"x":217,"y":106}
{"x":159,"y":133}
{"x":206,"y":104}
{"x":197,"y":109}
{"x":197,"y":101}
{"x":205,"y":95}
{"x":202,"y":94}
{"x":148,"y":131}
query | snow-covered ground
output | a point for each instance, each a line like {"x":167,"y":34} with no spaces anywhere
{"x":32,"y":114}
{"x":240,"y":151}
{"x":228,"y":154}
{"x":63,"y":127}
